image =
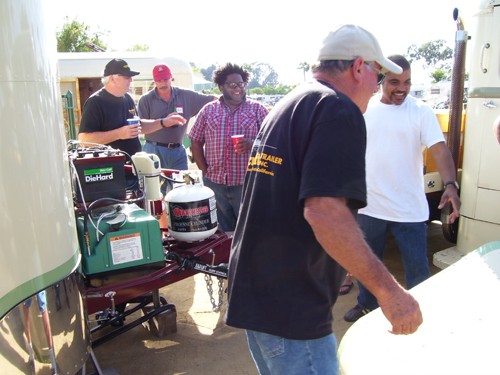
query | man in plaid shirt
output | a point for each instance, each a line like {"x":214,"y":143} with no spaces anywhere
{"x":223,"y":163}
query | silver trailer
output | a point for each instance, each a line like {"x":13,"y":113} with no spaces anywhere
{"x":42,"y":312}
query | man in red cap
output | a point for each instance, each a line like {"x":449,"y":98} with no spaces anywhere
{"x":165,"y":99}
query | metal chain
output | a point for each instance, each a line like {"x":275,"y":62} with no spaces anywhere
{"x":215,"y":306}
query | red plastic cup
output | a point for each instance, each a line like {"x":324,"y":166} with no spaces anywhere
{"x":236,"y":138}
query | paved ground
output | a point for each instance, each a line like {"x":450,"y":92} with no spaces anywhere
{"x":203,"y":344}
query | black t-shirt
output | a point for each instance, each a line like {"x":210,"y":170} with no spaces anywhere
{"x":281,"y":281}
{"x":104,"y":111}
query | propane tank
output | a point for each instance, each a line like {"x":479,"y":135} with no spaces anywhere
{"x":148,"y":169}
{"x":191,"y":210}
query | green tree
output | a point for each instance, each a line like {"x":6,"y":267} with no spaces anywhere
{"x":438,"y":75}
{"x":139,"y":47}
{"x":76,"y":36}
{"x":434,"y":55}
{"x":262,"y":74}
{"x":256,"y":91}
{"x":283,"y":89}
{"x":207,"y":72}
{"x":305,"y":67}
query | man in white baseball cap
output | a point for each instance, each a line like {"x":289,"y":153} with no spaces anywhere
{"x":351,"y":41}
{"x":296,"y":232}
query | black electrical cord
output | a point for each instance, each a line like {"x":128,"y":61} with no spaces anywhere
{"x":136,"y":183}
{"x":171,"y":179}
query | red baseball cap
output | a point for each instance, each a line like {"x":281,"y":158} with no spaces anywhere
{"x":161,"y":71}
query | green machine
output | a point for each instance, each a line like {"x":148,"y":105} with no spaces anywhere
{"x":117,"y":237}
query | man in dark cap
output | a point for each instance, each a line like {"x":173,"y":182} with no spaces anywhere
{"x":105,"y":113}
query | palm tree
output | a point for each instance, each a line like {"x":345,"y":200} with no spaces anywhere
{"x":305,"y":68}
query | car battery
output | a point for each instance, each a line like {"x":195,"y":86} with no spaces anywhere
{"x":100,"y":175}
{"x":118,"y":237}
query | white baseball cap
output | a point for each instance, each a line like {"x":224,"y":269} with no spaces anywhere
{"x":349,"y":42}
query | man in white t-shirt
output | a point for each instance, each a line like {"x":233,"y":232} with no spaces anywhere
{"x":399,"y":128}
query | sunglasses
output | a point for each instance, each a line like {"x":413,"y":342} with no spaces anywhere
{"x":233,"y":85}
{"x":380,"y":75}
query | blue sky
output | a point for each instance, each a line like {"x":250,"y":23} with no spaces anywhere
{"x":282,"y":34}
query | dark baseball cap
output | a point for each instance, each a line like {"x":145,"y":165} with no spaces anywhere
{"x":118,"y":66}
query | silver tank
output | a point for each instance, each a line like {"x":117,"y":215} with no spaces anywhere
{"x":43,"y":326}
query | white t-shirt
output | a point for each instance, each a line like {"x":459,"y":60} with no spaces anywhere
{"x":396,"y":138}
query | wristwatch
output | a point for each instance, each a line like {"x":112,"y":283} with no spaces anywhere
{"x":451,"y":182}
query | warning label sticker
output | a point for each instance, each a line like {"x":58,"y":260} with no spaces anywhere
{"x":126,"y":248}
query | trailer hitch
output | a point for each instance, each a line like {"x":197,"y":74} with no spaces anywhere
{"x":220,"y":271}
{"x":194,"y":263}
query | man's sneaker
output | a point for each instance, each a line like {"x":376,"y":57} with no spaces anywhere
{"x":355,"y":313}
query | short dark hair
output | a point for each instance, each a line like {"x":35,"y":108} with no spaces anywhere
{"x":401,"y":61}
{"x":220,"y":74}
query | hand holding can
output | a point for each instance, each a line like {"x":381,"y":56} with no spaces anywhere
{"x":134,"y":127}
{"x":133,"y":120}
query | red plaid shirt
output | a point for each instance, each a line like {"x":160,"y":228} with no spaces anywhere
{"x":214,"y":126}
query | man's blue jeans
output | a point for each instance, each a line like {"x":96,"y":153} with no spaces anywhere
{"x":170,"y":158}
{"x":411,"y":239}
{"x":274,"y":355}
{"x":228,"y":200}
